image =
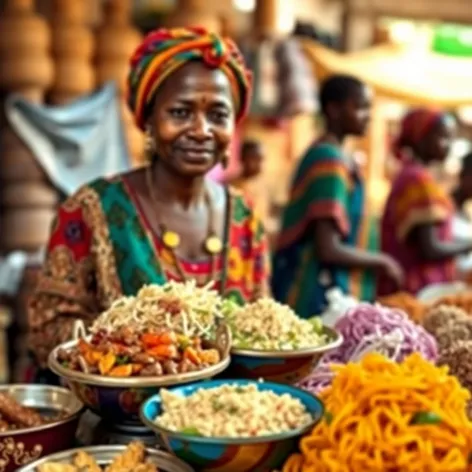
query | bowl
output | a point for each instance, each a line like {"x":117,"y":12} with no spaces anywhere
{"x":118,"y":400}
{"x":255,"y":454}
{"x":104,"y":455}
{"x":287,"y":367}
{"x":21,"y":446}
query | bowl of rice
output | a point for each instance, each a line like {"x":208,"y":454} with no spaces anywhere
{"x":271,"y":342}
{"x":237,"y":425}
{"x":119,"y":362}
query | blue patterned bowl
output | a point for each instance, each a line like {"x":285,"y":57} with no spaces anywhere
{"x":255,"y":454}
{"x":118,"y":400}
{"x":287,"y":367}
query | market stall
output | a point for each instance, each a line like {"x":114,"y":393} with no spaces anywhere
{"x":140,"y":367}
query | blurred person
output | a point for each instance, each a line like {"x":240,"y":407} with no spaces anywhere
{"x":461,"y":221}
{"x":251,"y":162}
{"x":187,"y":88}
{"x":328,"y":239}
{"x":416,"y":227}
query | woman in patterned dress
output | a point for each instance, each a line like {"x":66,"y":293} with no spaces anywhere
{"x":187,"y":89}
{"x":417,"y":221}
{"x":328,"y":237}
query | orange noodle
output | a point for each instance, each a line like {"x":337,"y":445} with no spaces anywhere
{"x":382,"y":416}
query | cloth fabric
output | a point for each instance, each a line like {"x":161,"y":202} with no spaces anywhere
{"x":283,"y":83}
{"x":416,"y":199}
{"x":102,"y":247}
{"x":73,"y":143}
{"x":164,"y":51}
{"x":325,"y":185}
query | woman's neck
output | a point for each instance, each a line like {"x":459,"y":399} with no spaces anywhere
{"x":333,"y":135}
{"x":170,"y":187}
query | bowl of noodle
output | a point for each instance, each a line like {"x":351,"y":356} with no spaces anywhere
{"x":386,"y":416}
{"x":270,"y":341}
{"x":164,"y":336}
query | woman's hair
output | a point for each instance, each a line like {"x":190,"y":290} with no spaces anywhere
{"x":338,"y":89}
{"x":164,"y":51}
{"x":414,"y":128}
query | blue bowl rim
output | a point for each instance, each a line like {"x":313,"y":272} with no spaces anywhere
{"x":335,"y":341}
{"x":243,"y":440}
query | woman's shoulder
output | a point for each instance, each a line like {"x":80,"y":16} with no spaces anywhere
{"x":322,"y":154}
{"x":101,"y":187}
{"x":413,"y":175}
{"x":323,"y":151}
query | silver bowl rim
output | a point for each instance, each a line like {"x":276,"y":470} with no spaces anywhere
{"x":58,"y":456}
{"x":336,"y":339}
{"x":80,"y":407}
{"x":131,"y":382}
{"x":218,"y":441}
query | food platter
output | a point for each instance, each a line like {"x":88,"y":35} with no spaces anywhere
{"x":105,"y":454}
{"x":118,"y":399}
{"x":133,"y":382}
{"x":22,"y":445}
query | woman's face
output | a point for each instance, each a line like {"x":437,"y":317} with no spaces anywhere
{"x":193,"y":119}
{"x":439,"y":141}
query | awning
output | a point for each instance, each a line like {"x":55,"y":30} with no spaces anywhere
{"x":415,"y":76}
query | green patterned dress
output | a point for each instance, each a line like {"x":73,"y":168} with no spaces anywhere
{"x":326,"y":186}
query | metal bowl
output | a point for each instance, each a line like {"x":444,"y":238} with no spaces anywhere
{"x":119,"y":399}
{"x":21,"y":446}
{"x":254,"y":454}
{"x":287,"y":367}
{"x":104,"y":455}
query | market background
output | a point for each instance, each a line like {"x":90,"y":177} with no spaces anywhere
{"x":55,"y":52}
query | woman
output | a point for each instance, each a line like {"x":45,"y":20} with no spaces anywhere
{"x":187,"y":89}
{"x":327,"y":238}
{"x":416,"y":225}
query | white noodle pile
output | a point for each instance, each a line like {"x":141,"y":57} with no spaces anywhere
{"x":268,"y":325}
{"x":181,"y":307}
{"x":232,"y":411}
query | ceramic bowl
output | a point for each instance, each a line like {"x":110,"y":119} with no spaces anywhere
{"x":104,"y":455}
{"x":117,"y":400}
{"x":22,"y":446}
{"x":255,"y":454}
{"x":286,"y":367}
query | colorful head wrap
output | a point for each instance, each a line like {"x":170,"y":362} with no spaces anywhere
{"x":165,"y":50}
{"x":414,"y":127}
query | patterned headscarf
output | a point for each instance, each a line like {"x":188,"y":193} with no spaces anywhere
{"x":414,"y":127}
{"x":163,"y":51}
